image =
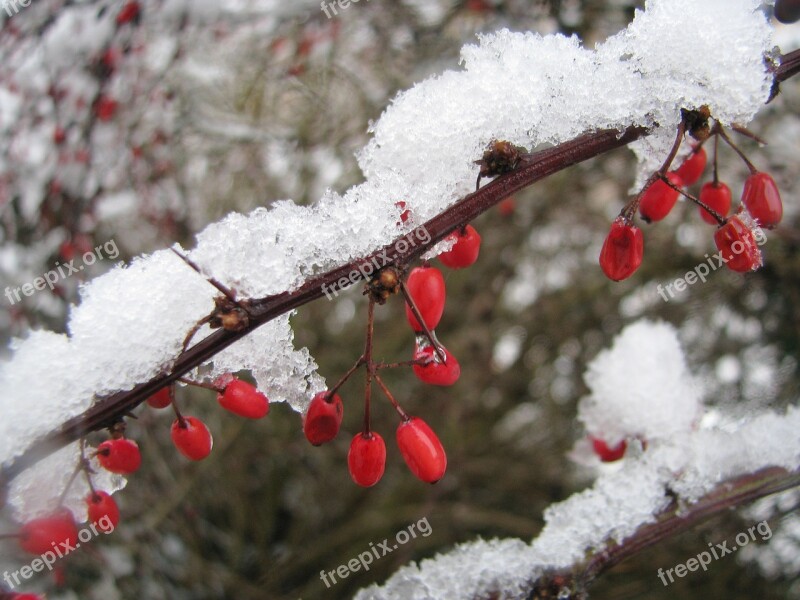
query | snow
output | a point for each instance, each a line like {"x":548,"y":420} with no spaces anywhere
{"x":32,"y":493}
{"x":635,"y":393}
{"x":281,"y":372}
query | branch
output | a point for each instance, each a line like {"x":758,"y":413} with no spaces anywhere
{"x":675,"y":519}
{"x":105,"y":411}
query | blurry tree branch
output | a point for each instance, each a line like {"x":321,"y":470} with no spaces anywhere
{"x":672,"y":521}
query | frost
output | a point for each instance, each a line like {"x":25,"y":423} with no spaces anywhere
{"x":634,"y":392}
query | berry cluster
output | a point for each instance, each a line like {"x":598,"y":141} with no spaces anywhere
{"x":424,"y":292}
{"x":122,"y":456}
{"x":761,"y":205}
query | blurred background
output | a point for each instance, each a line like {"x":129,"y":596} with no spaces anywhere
{"x":181,"y":112}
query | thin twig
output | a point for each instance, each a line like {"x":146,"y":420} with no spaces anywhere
{"x":390,"y":396}
{"x":402,"y":363}
{"x":418,"y":316}
{"x":200,"y":384}
{"x":368,"y":360}
{"x":677,"y":518}
{"x":720,"y":219}
{"x":226,"y":291}
{"x":345,"y":377}
{"x":736,"y":149}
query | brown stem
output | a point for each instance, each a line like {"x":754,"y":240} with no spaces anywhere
{"x":89,"y":479}
{"x":789,"y":66}
{"x":716,"y":151}
{"x":370,"y":365}
{"x":720,"y":219}
{"x":748,"y":134}
{"x":345,"y":377}
{"x":402,"y":363}
{"x":192,"y":382}
{"x":178,"y":415}
{"x":226,"y":291}
{"x":78,"y":468}
{"x":390,"y":396}
{"x":193,"y":331}
{"x":677,"y":518}
{"x":106,"y":410}
{"x":629,"y":210}
{"x":736,"y":149}
{"x":676,"y":145}
{"x":418,"y":316}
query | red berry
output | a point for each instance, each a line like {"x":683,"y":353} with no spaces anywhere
{"x":192,"y":438}
{"x":161,"y":399}
{"x":128,"y":13}
{"x":367,"y":458}
{"x":715,"y":195}
{"x":110,"y":58}
{"x":607,"y":454}
{"x":738,"y":246}
{"x":406,"y":214}
{"x":25,"y":597}
{"x":103,"y":511}
{"x":243,"y":399}
{"x":120,"y":456}
{"x":426,"y":286}
{"x":692,"y":168}
{"x":436,"y":372}
{"x":622,"y":251}
{"x":43,"y":534}
{"x":763,"y":200}
{"x":323,"y":418}
{"x":465,"y":250}
{"x":478,"y":6}
{"x":422,"y":450}
{"x":658,"y":200}
{"x":105,"y":108}
{"x":506,"y":207}
{"x":59,"y":136}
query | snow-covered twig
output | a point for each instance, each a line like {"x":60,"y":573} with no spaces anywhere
{"x":106,"y":411}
